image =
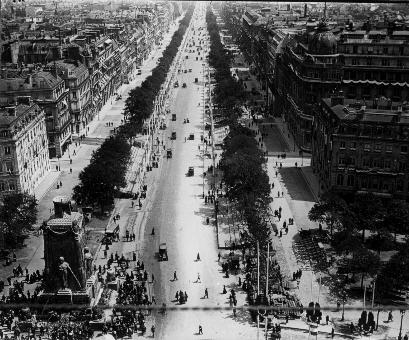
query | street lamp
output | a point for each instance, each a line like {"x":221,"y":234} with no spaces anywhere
{"x":402,"y":313}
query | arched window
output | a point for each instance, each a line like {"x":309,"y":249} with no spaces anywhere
{"x":340,"y":179}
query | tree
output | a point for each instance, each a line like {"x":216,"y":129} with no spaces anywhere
{"x":105,"y":174}
{"x":397,"y":217}
{"x":338,"y":289}
{"x":331,"y":210}
{"x":394,"y":276}
{"x":18,"y":214}
{"x":346,"y":242}
{"x":364,"y":262}
{"x":366,"y":211}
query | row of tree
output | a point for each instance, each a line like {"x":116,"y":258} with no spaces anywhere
{"x":246,"y":181}
{"x":105,"y":175}
{"x":139,"y":104}
{"x":228,"y":93}
{"x":242,"y":162}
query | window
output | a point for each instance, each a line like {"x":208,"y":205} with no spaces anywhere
{"x":378,"y":147}
{"x":342,"y":145}
{"x":388,"y":148}
{"x":402,"y":166}
{"x":385,"y":50}
{"x":385,"y":62}
{"x":9,"y":167}
{"x":340,"y":179}
{"x":366,"y":162}
{"x":367,"y":147}
{"x":12,"y":186}
{"x":351,"y":180}
{"x":341,"y":160}
{"x":7,"y":150}
{"x":404,"y":149}
{"x":364,"y":183}
{"x":74,"y":95}
{"x":399,"y":185}
{"x":2,"y":186}
{"x":353,"y":145}
{"x":387,"y":164}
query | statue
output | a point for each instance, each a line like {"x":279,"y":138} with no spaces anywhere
{"x":63,"y":272}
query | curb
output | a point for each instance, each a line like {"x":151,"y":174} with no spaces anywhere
{"x":319,"y":332}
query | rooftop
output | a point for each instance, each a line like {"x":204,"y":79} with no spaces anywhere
{"x":351,"y":109}
{"x":10,"y":115}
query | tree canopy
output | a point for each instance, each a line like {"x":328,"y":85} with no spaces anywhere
{"x":18,"y":214}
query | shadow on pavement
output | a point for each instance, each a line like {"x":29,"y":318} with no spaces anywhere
{"x":295,"y":185}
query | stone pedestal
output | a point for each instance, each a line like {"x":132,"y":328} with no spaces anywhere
{"x":66,"y":297}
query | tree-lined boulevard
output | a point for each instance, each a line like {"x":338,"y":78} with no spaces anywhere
{"x":212,"y":229}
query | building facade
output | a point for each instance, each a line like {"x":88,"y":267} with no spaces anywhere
{"x":76,"y":78}
{"x":23,"y":147}
{"x":48,"y":90}
{"x":362,"y":147}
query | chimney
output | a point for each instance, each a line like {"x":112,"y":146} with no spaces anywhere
{"x":11,"y":111}
{"x":337,"y":98}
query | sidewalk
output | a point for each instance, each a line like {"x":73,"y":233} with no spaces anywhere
{"x":298,"y":190}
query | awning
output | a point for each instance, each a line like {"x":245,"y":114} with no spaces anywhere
{"x":372,"y":82}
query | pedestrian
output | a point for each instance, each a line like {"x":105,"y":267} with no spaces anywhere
{"x":224,"y":289}
{"x":206,"y":294}
{"x":132,"y":204}
{"x":198,"y":257}
{"x":218,"y":257}
{"x":177,"y":296}
{"x":153,"y":232}
{"x":282,"y":193}
{"x":70,"y":170}
{"x":390,"y":317}
{"x":200,"y":330}
{"x":153,"y":331}
{"x":60,"y":184}
{"x":327,"y":319}
{"x":153,"y":299}
{"x":198,"y":278}
{"x":153,"y":278}
{"x":332,"y":333}
{"x":175,"y":278}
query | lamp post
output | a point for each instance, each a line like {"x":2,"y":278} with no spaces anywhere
{"x":402,"y":313}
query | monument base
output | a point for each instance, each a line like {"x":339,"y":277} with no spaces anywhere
{"x":66,"y":297}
